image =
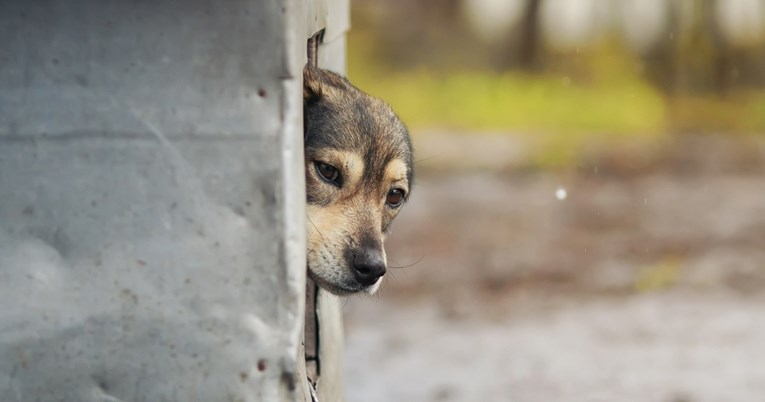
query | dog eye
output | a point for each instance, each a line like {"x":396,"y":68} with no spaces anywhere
{"x":329,"y":173}
{"x":395,"y":197}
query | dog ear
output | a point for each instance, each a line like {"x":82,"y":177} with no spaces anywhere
{"x":318,"y":83}
{"x":311,"y":82}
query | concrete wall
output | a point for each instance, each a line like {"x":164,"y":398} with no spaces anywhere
{"x":152,"y":198}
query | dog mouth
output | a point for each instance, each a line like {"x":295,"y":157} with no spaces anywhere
{"x":354,"y":270}
{"x":343,"y":288}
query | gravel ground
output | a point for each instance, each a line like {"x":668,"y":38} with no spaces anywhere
{"x":643,"y":284}
{"x":661,"y":347}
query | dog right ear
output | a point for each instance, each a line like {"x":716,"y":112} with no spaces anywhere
{"x":312,"y":87}
{"x":318,"y":83}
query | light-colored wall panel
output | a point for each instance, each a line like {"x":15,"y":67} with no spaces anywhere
{"x":152,"y":199}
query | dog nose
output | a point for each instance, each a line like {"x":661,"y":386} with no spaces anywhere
{"x":368,"y":266}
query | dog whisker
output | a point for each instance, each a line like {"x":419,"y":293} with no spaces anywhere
{"x":428,"y":158}
{"x":349,"y":241}
{"x":422,"y":257}
{"x":381,"y":292}
{"x":316,"y":227}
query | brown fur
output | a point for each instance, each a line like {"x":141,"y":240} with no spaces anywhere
{"x":365,"y":141}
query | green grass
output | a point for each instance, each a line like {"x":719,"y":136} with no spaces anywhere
{"x":494,"y":102}
{"x":558,"y":116}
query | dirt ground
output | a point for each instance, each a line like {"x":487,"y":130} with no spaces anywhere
{"x":643,"y":283}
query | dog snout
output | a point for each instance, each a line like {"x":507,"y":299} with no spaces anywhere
{"x":368,"y":266}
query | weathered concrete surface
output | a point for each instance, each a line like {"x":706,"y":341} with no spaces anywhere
{"x":151,"y":187}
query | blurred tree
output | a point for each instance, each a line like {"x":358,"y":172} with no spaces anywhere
{"x":695,"y":55}
{"x":702,"y":53}
{"x":529,"y":35}
{"x":698,"y":55}
{"x":661,"y":58}
{"x":721,"y":63}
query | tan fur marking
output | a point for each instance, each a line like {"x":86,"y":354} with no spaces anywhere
{"x":324,"y":222}
{"x":395,"y":173}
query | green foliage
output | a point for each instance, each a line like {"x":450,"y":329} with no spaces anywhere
{"x":495,"y":102}
{"x":601,"y":94}
{"x":557,"y":115}
{"x":737,"y":113}
{"x":755,"y":111}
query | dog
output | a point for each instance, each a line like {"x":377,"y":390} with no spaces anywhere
{"x":358,"y":173}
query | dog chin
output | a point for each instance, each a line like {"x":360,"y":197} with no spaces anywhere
{"x":373,"y":289}
{"x":343,"y":289}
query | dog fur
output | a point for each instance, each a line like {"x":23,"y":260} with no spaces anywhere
{"x":358,"y":165}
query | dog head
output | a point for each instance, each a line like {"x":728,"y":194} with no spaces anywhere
{"x":358,"y":171}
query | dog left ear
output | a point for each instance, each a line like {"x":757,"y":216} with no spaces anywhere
{"x":319,"y":83}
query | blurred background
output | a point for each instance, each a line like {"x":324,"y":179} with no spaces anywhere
{"x":588,"y":221}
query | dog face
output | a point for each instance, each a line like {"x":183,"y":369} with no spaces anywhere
{"x":358,"y":171}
